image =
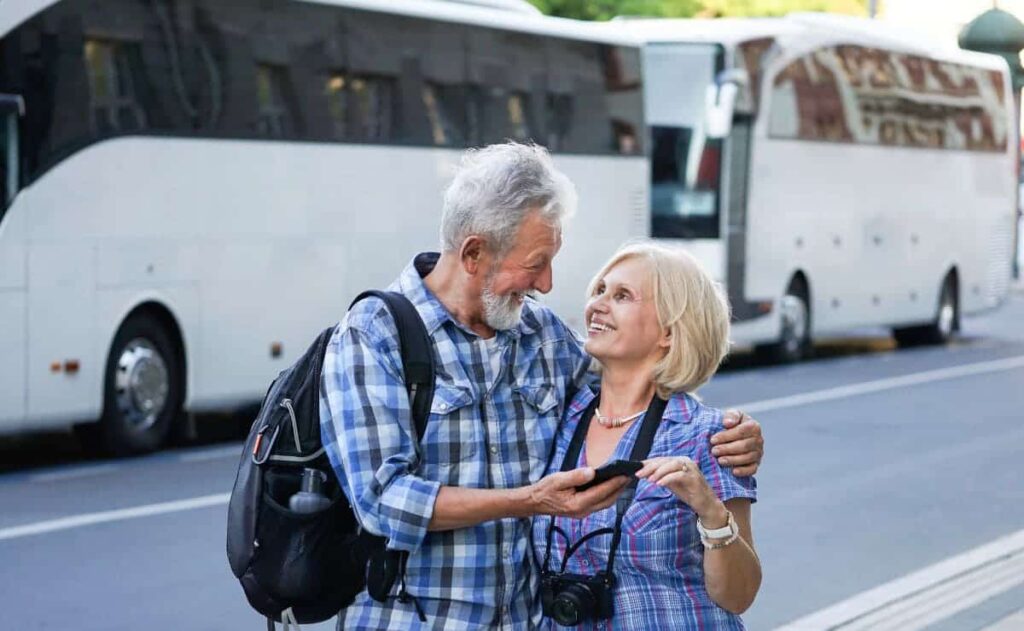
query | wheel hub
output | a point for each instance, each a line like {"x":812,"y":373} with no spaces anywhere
{"x":141,"y":383}
{"x":947,"y":315}
{"x":794,"y":323}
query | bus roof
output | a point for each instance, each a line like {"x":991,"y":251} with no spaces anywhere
{"x":800,"y":31}
{"x":512,"y":15}
{"x":492,"y":14}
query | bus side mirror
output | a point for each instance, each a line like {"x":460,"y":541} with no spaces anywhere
{"x":721,"y":101}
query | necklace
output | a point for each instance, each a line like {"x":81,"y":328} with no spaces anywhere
{"x":604,"y":421}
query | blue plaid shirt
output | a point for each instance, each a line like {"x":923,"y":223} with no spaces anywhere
{"x":659,"y":564}
{"x":486,"y":429}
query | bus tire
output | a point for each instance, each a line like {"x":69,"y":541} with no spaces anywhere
{"x":942,"y":328}
{"x":794,"y":343}
{"x":143,"y":388}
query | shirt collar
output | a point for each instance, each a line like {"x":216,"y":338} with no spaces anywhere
{"x":410,"y":283}
{"x":434,"y":313}
{"x":680,"y":408}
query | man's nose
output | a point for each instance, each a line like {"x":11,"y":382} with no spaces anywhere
{"x":543,"y":283}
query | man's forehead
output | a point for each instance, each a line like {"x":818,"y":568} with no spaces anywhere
{"x":537,"y":232}
{"x":543,"y":243}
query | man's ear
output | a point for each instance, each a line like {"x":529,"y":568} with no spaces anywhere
{"x":471,"y":253}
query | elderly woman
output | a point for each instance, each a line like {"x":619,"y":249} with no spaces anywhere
{"x":659,"y":327}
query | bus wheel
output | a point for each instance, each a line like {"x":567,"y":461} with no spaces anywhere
{"x":942,"y":328}
{"x":143,"y":388}
{"x":794,"y":341}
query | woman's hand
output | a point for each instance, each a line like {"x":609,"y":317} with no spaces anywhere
{"x":683,"y":477}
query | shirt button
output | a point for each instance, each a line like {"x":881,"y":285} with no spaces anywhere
{"x":586,"y":562}
{"x":494,"y":450}
{"x":444,"y":406}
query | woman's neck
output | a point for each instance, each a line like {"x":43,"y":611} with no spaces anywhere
{"x":625,"y":391}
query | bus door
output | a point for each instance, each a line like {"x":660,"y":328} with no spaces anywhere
{"x":738,"y":149}
{"x":12,"y":268}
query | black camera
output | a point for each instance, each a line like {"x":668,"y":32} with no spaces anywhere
{"x":569,"y":599}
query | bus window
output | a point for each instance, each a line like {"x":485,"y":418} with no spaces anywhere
{"x":112,"y":89}
{"x":752,"y":58}
{"x":273,"y":119}
{"x":446,"y":113}
{"x":872,"y":96}
{"x":374,"y":108}
{"x":685,"y":163}
{"x":505,"y":71}
{"x":10,"y":108}
{"x":5,"y":159}
{"x":684,"y":184}
{"x":337,"y":104}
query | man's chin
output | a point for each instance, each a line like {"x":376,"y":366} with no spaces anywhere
{"x":505,"y":320}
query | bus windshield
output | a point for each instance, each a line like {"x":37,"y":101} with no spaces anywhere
{"x":685,"y":164}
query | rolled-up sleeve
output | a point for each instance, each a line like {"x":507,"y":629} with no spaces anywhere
{"x":721,"y":479}
{"x":366,"y":425}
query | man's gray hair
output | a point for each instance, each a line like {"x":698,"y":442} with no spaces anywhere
{"x":496,"y":187}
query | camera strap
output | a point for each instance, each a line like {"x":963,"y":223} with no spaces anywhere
{"x":642,"y":446}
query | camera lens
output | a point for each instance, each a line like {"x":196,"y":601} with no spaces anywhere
{"x":566,"y":611}
{"x":569,"y":605}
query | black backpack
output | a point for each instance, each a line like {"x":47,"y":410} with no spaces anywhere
{"x":306,"y":567}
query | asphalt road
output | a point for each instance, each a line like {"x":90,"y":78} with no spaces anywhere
{"x":897,"y":460}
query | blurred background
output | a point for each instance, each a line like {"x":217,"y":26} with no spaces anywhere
{"x":190,"y":190}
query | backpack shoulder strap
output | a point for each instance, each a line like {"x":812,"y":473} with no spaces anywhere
{"x":417,"y":354}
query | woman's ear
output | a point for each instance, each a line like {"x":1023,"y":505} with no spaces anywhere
{"x":666,"y":339}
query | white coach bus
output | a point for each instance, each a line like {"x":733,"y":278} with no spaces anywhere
{"x":193,"y":189}
{"x":858,"y":178}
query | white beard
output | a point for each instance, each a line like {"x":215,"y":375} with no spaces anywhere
{"x":501,"y":313}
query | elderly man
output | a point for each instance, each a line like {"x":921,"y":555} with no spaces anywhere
{"x":504,"y":365}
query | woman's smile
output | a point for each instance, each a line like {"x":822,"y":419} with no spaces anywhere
{"x":597,"y":327}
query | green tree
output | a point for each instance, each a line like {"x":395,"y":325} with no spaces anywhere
{"x":751,"y":8}
{"x":607,"y":9}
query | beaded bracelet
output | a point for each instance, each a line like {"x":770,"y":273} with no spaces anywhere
{"x":721,"y":544}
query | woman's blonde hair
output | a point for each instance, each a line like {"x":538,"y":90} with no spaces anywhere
{"x":690,"y":305}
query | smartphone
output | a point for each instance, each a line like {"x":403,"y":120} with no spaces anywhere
{"x":611,"y":470}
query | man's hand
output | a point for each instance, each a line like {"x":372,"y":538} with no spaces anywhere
{"x":556,"y":494}
{"x":740,"y":445}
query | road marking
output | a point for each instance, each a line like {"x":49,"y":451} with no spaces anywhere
{"x":88,"y":519}
{"x":71,"y":474}
{"x":829,"y":394}
{"x":880,"y":385}
{"x":928,"y":595}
